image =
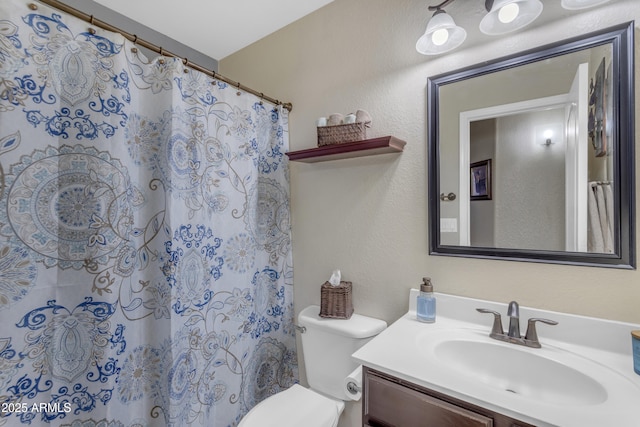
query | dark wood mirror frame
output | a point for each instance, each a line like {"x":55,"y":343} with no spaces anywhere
{"x":621,"y":38}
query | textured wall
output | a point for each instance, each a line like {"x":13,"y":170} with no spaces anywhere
{"x":368,"y":216}
{"x":529,"y":183}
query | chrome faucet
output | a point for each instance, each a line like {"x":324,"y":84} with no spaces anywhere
{"x":514,"y":319}
{"x":513,"y":335}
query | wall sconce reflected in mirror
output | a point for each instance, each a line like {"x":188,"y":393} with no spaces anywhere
{"x":546,"y":136}
{"x":549,"y":134}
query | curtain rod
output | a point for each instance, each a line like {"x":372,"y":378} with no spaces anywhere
{"x":133,"y":38}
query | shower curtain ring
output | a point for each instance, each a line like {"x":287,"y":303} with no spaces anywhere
{"x":261,"y":97}
{"x":135,"y":39}
{"x":91,"y":31}
{"x":238,"y":92}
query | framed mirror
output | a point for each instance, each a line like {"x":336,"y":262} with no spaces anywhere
{"x":531,"y":157}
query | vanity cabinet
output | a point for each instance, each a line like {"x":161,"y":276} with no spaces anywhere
{"x":392,"y":402}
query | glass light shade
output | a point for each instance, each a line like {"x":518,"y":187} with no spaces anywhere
{"x":500,"y":19}
{"x":581,"y":4}
{"x":442,"y":35}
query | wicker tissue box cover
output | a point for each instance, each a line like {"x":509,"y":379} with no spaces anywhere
{"x":336,"y":301}
{"x":351,"y":132}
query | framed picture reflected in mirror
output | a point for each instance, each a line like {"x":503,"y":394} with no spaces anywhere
{"x":481,"y":180}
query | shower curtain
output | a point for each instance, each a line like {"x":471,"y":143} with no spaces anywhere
{"x":145,"y":255}
{"x":600,"y":217}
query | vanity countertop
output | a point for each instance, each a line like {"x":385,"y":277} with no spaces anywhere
{"x":592,"y":350}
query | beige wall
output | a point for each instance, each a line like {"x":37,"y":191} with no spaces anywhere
{"x":368,"y":216}
{"x":529,"y":183}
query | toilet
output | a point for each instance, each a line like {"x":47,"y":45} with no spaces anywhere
{"x":327,"y":346}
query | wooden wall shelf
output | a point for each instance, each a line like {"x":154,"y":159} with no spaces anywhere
{"x":368,"y":147}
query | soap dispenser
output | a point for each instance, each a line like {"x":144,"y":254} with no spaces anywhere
{"x":426,"y":307}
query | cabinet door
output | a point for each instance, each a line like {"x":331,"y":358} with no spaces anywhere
{"x":393,"y":405}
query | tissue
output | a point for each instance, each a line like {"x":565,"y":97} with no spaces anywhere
{"x":363,"y":117}
{"x":353,"y":384}
{"x":334,"y":280}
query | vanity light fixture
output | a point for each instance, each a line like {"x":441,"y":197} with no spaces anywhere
{"x":442,"y":33}
{"x":581,"y":4}
{"x":505,"y":16}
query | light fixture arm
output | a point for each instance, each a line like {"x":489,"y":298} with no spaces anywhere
{"x":488,"y":4}
{"x":441,"y":5}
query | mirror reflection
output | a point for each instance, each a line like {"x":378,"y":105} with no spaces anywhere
{"x":532,"y":152}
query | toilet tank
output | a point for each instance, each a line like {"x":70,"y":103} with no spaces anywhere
{"x":327,"y":346}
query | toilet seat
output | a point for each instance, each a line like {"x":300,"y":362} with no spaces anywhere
{"x":297,"y":406}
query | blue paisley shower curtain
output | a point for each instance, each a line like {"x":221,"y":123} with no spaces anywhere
{"x":145,"y":256}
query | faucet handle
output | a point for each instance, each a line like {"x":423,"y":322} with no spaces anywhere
{"x":496,"y":329}
{"x":532,"y":334}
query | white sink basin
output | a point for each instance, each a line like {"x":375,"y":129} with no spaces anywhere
{"x":581,"y":377}
{"x":521,"y":371}
{"x":548,"y":375}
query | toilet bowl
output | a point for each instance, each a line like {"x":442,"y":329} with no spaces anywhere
{"x":327,"y":346}
{"x":295,"y":407}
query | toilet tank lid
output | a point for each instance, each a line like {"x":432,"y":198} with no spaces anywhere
{"x":358,"y":326}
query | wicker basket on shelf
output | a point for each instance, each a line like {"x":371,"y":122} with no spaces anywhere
{"x":329,"y":135}
{"x":336,"y":301}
